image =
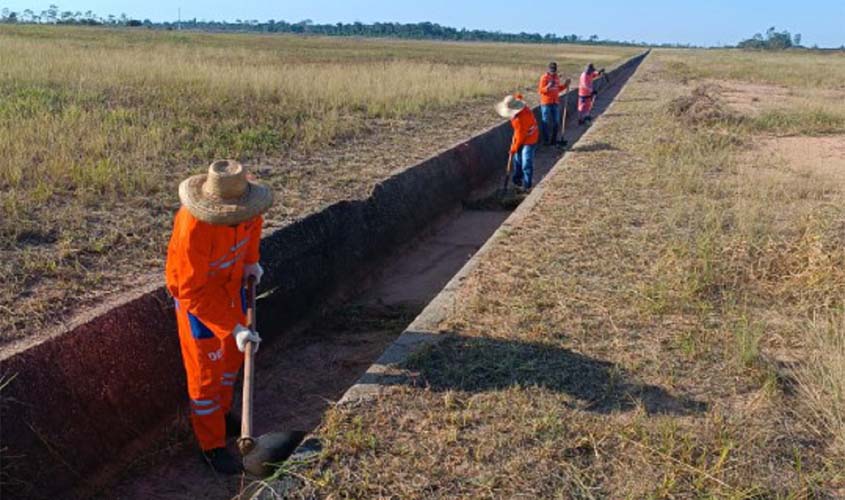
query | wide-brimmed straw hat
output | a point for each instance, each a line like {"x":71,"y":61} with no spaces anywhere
{"x":224,"y":196}
{"x":509,"y":106}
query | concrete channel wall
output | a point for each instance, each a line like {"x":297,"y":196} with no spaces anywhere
{"x":79,"y":399}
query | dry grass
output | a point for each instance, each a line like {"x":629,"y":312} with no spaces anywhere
{"x":821,"y":379}
{"x":800,"y":70}
{"x":97,"y":126}
{"x":791,"y":93}
{"x":648,"y":331}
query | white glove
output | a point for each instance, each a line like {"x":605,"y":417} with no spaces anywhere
{"x":243,"y":335}
{"x":253,"y":270}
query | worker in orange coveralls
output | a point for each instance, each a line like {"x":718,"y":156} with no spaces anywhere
{"x":212,"y":251}
{"x":526,"y":135}
{"x":586,"y":94}
{"x":550,"y":88}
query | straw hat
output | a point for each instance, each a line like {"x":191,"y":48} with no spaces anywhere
{"x":509,"y":106}
{"x":224,"y":196}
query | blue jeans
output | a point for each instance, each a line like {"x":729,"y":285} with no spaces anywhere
{"x":549,"y":120}
{"x":523,"y":165}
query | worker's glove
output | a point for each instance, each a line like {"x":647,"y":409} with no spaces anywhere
{"x":243,"y":335}
{"x":253,"y":270}
{"x":601,"y":70}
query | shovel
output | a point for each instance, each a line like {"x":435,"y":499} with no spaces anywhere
{"x":260,"y":455}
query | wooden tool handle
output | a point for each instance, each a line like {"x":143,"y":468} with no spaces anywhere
{"x":246,"y":442}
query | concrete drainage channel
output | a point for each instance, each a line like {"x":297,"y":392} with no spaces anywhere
{"x":109,"y":388}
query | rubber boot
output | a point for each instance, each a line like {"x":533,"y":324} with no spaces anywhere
{"x":222,"y":461}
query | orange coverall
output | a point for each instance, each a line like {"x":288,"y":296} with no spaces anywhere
{"x":585,"y":91}
{"x":525,"y":130}
{"x":204,"y":274}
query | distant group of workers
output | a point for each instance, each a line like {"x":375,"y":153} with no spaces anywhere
{"x":527,"y":132}
{"x":214,"y":249}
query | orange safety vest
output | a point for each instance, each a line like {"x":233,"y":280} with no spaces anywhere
{"x":585,"y":87}
{"x":552,"y":95}
{"x":525,"y":130}
{"x":205,"y":268}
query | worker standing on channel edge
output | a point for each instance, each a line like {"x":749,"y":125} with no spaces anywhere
{"x":550,"y":89}
{"x":212,"y":251}
{"x":586,"y":94}
{"x":526,"y":135}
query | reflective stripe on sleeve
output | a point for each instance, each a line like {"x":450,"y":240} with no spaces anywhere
{"x":206,"y":411}
{"x":232,"y":261}
{"x":240,"y":244}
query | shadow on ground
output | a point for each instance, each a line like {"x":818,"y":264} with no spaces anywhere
{"x":473,"y":364}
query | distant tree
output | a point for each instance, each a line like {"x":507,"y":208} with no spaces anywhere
{"x":8,"y":16}
{"x":774,"y":40}
{"x":52,"y":13}
{"x":796,"y":39}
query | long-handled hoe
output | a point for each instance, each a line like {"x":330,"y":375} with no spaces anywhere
{"x":562,"y":141}
{"x":596,"y":93}
{"x":508,"y":170}
{"x":261,"y":454}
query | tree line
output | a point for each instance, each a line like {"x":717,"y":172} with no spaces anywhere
{"x":772,"y":40}
{"x":417,"y":31}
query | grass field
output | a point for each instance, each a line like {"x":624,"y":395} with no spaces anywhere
{"x":98,"y":126}
{"x":668,"y":322}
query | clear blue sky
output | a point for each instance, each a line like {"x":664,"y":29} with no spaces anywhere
{"x":701,"y":22}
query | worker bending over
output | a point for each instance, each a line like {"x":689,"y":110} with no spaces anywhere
{"x":586,"y":94}
{"x":212,"y":251}
{"x":550,"y":89}
{"x":526,"y":135}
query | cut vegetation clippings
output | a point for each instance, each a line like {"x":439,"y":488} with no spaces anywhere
{"x":702,"y":106}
